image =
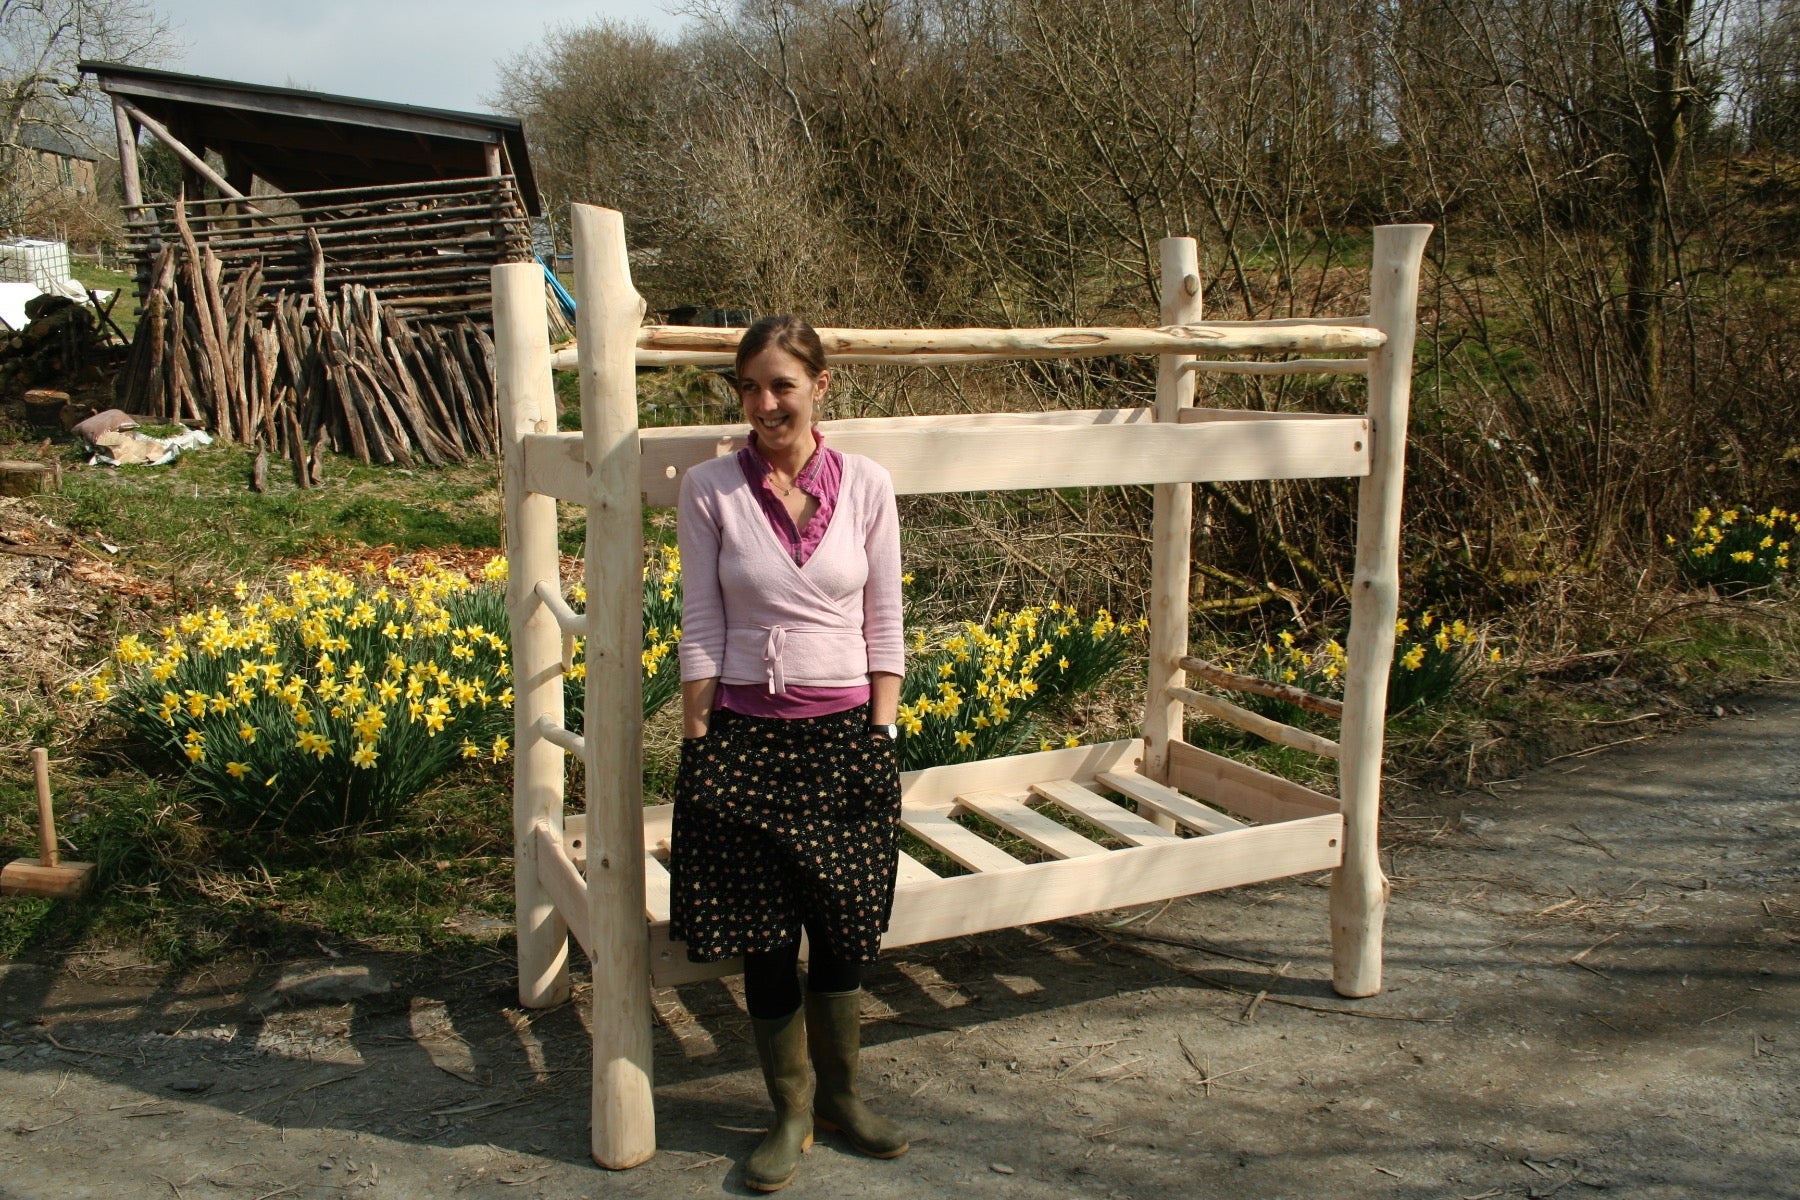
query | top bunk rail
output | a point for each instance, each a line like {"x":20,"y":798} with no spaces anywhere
{"x":678,"y":345}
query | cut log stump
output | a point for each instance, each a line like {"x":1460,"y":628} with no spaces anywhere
{"x":44,"y":406}
{"x":25,"y":478}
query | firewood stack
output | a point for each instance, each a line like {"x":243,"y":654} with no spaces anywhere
{"x":259,"y":354}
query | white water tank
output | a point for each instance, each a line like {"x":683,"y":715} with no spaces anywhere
{"x":31,"y":260}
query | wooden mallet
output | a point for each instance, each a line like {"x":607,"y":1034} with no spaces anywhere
{"x":45,"y":875}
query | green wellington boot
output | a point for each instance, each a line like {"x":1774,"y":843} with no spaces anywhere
{"x":781,"y":1047}
{"x":834,"y":1035}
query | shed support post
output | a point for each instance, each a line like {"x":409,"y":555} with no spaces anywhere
{"x":131,"y":179}
{"x":1359,"y":890}
{"x":624,"y":1118}
{"x":527,"y":402}
{"x":1172,"y":522}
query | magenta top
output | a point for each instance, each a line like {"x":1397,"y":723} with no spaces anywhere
{"x":821,"y":478}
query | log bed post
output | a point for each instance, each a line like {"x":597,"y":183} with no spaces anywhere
{"x":1171,"y":529}
{"x":527,"y":402}
{"x":1359,"y":891}
{"x":624,"y":1121}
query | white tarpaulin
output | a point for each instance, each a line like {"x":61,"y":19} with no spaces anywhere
{"x":14,"y":295}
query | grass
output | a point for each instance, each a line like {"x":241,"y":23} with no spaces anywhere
{"x":105,"y":279}
{"x":197,"y":518}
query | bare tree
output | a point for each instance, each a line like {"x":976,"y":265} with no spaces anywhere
{"x":41,"y":41}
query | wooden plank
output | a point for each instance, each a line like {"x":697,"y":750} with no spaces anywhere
{"x":936,"y":454}
{"x":432,"y":123}
{"x":563,"y":884}
{"x":1244,"y":791}
{"x":1104,"y":813}
{"x":1233,"y":681}
{"x":656,"y":889}
{"x":1050,"y":891}
{"x":1166,"y":800}
{"x":938,"y":787}
{"x":1292,"y":366}
{"x":1014,"y":816}
{"x":1069,"y":887}
{"x":910,"y":871}
{"x":935,"y":828}
{"x":1269,"y":730}
{"x":1320,"y":335}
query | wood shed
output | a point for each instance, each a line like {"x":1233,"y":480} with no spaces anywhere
{"x":321,"y":276}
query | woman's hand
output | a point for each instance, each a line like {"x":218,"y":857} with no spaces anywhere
{"x":697,"y":706}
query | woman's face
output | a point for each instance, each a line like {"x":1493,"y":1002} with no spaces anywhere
{"x":779,"y":394}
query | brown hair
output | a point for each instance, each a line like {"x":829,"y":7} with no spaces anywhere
{"x":788,"y":333}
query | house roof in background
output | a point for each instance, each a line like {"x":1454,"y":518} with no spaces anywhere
{"x":50,"y":140}
{"x":299,"y":140}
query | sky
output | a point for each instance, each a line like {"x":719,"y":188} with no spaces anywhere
{"x":435,"y":53}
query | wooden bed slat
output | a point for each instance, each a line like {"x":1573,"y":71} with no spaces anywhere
{"x":935,"y":828}
{"x":1189,"y":812}
{"x":1012,"y":815}
{"x":1104,"y":813}
{"x":911,"y":870}
{"x":656,"y":888}
{"x":1252,"y":794}
{"x":970,"y":904}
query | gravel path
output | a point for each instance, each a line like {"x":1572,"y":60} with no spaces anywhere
{"x":1592,"y":986}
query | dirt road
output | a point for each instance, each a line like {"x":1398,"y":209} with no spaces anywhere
{"x":1593,"y":986}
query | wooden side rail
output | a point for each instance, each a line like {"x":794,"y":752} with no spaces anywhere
{"x":1232,"y":681}
{"x":1292,"y":366}
{"x":672,"y":345}
{"x":1263,"y":727}
{"x":934,"y":454}
{"x":931,"y":909}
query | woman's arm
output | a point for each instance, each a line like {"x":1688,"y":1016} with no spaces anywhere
{"x":697,"y":706}
{"x":884,"y":697}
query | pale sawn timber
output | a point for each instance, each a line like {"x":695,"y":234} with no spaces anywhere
{"x":1234,"y":681}
{"x":1263,"y":727}
{"x":1201,"y":821}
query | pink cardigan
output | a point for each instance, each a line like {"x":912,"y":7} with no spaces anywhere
{"x":749,"y":615}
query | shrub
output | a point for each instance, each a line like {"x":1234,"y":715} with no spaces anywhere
{"x":1736,"y":549}
{"x":1425,"y":667}
{"x":662,"y":633}
{"x":334,"y":700}
{"x":977,"y":694}
{"x":327,"y":703}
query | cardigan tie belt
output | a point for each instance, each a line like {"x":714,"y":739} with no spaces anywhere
{"x":772,"y":650}
{"x":806,"y":640}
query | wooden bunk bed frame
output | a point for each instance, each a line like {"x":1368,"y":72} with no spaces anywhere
{"x":1190,"y":821}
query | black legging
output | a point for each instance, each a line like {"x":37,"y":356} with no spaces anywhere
{"x":772,"y":977}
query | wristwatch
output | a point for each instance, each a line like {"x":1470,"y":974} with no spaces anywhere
{"x":891,"y":732}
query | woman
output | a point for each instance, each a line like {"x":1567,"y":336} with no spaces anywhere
{"x":787,"y":800}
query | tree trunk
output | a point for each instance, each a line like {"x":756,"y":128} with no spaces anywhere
{"x":1663,"y":138}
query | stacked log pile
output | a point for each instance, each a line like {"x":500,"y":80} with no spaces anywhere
{"x":63,"y":343}
{"x":294,"y":333}
{"x":425,"y":246}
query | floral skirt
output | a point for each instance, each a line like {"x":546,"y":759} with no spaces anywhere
{"x":781,"y":824}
